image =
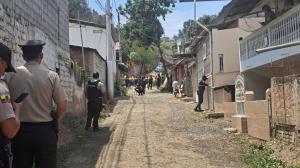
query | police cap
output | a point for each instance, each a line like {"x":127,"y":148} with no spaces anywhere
{"x":32,"y":43}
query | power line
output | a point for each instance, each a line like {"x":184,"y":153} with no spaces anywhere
{"x":99,"y":4}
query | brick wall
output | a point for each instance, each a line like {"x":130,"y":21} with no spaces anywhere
{"x":228,"y":108}
{"x":258,"y":119}
{"x":93,"y":61}
{"x":45,"y":20}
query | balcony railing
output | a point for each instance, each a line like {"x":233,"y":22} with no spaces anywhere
{"x":282,"y":30}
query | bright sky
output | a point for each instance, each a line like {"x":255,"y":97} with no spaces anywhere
{"x":174,"y":21}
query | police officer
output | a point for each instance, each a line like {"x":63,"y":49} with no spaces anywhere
{"x":9,"y":118}
{"x":95,"y":91}
{"x":36,"y":141}
{"x":200,"y":92}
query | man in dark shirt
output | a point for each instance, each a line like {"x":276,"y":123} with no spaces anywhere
{"x":200,"y":92}
{"x":95,"y":92}
{"x":269,"y":14}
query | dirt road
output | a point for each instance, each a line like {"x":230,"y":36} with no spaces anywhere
{"x":157,"y":131}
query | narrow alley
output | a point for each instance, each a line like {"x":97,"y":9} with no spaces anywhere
{"x":157,"y":130}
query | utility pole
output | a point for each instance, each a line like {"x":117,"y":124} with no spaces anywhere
{"x":119,"y":29}
{"x":109,"y":53}
{"x":82,"y":55}
{"x":81,"y":38}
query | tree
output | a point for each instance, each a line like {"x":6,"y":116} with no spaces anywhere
{"x":80,"y":8}
{"x":143,"y":25}
{"x":147,"y":58}
{"x":191,"y":29}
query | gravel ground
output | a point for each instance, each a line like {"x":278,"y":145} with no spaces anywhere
{"x":157,"y":131}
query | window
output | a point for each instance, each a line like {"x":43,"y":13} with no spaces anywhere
{"x":221,"y":62}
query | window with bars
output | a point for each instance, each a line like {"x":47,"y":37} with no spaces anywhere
{"x":221,"y":62}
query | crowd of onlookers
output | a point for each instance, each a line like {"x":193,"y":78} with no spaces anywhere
{"x":141,"y":83}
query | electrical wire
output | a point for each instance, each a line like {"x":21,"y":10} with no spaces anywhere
{"x":100,"y":5}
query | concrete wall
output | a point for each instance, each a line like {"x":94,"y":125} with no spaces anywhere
{"x":41,"y":20}
{"x":257,"y":83}
{"x":258,"y":119}
{"x":226,"y":42}
{"x":228,"y":108}
{"x":93,"y":61}
{"x":93,"y":37}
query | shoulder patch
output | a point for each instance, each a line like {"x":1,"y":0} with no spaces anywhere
{"x":5,"y":97}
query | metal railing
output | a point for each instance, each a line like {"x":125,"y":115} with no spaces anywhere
{"x":282,"y":30}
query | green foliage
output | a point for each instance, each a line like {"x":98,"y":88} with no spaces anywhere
{"x":192,"y":29}
{"x":146,"y":57}
{"x":260,"y":156}
{"x":85,"y":13}
{"x":123,"y":68}
{"x":120,"y":89}
{"x":167,"y":47}
{"x":143,"y":23}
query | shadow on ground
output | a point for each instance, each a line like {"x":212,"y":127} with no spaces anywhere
{"x":84,"y":150}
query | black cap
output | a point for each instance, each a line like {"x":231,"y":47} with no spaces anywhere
{"x":5,"y":54}
{"x":32,"y":43}
{"x":204,"y":77}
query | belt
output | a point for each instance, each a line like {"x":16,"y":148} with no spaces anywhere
{"x":49,"y":123}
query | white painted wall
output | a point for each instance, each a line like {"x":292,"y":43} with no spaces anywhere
{"x":96,"y":38}
{"x":93,"y":37}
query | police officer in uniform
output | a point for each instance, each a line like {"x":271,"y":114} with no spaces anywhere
{"x":36,"y":141}
{"x":200,"y":92}
{"x":95,"y":91}
{"x":9,"y":116}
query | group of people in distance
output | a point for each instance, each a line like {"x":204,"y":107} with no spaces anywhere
{"x":141,"y":83}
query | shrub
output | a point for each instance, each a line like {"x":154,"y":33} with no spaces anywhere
{"x":120,"y":89}
{"x":260,"y":156}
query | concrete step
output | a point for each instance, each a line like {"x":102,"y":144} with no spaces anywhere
{"x":215,"y":115}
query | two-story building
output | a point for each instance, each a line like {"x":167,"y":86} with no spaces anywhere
{"x":92,"y":38}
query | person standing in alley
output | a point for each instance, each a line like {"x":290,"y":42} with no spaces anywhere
{"x":150,"y":82}
{"x":175,"y":87}
{"x":9,"y":115}
{"x":36,"y":141}
{"x":95,"y":91}
{"x":158,"y":81}
{"x":200,"y":92}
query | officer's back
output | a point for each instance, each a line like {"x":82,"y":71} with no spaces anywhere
{"x":36,"y":141}
{"x":93,"y":91}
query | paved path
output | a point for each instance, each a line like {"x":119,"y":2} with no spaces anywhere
{"x":157,"y":131}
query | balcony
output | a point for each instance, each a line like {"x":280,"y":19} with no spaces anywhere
{"x":272,"y":42}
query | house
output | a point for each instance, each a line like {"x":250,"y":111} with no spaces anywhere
{"x":220,"y":63}
{"x":92,"y":38}
{"x":267,"y":57}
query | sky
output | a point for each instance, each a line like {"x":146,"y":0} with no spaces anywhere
{"x":174,"y":21}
